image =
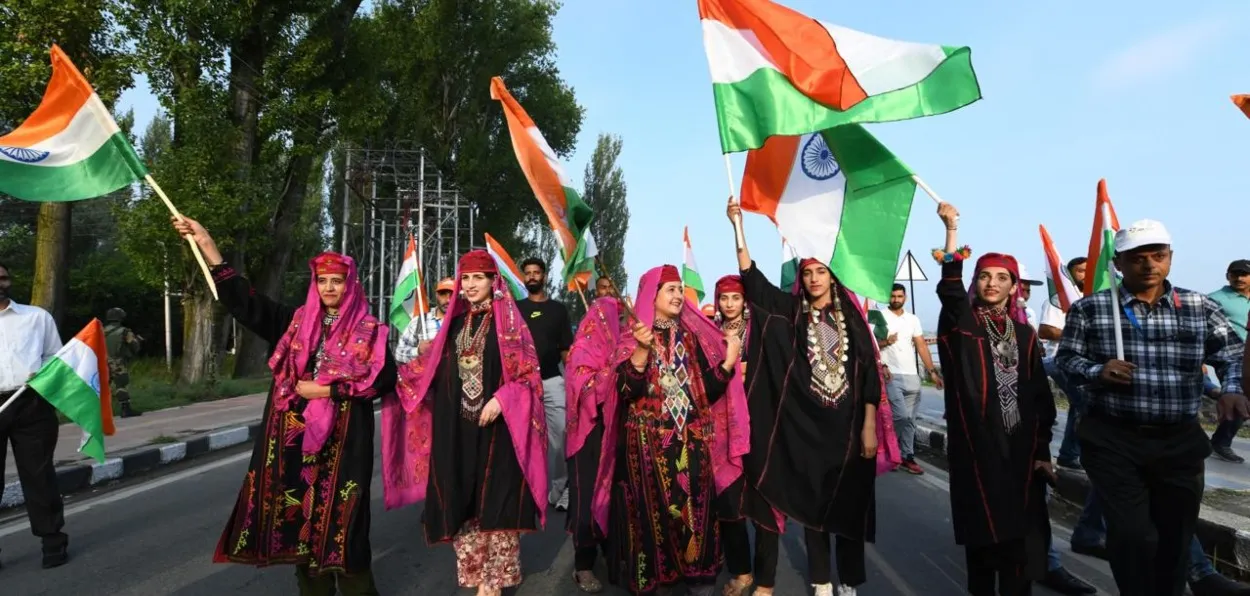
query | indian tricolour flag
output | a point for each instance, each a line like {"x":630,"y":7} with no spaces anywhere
{"x":838,"y":196}
{"x":1062,"y":289}
{"x":1100,"y":268}
{"x":507,"y":268}
{"x":568,"y":214}
{"x":76,"y":382}
{"x":690,"y":277}
{"x":408,"y":292}
{"x":1242,"y":101}
{"x":776,"y":71}
{"x":70,"y":148}
{"x":789,"y":265}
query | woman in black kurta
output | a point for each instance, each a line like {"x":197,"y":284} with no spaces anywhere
{"x":999,"y":414}
{"x":302,"y":505}
{"x":813,"y":452}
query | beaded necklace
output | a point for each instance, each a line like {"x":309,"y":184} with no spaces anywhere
{"x":470,"y":348}
{"x":827,"y":351}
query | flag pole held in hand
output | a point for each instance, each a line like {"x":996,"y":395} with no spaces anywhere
{"x":195,"y":248}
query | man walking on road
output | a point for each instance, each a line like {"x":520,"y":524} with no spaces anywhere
{"x":1141,"y":442}
{"x":1234,"y":299}
{"x":549,"y":324}
{"x":421,"y":332}
{"x":122,"y":345}
{"x":1050,"y":331}
{"x":30,"y":339}
{"x":905,"y":339}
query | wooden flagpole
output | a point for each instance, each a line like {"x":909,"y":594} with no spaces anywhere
{"x":195,"y":248}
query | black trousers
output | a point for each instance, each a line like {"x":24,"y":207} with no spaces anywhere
{"x":31,"y":426}
{"x":998,"y":564}
{"x":737,"y":546}
{"x":850,"y":558}
{"x":584,"y":556}
{"x":1149,"y":481}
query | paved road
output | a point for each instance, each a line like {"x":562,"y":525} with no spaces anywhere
{"x":1220,"y":474}
{"x":157,"y":536}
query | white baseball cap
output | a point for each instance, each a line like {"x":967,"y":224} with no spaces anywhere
{"x":1025,"y":278}
{"x":1146,"y":232}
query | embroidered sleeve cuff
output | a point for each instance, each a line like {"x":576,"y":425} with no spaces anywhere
{"x":719,"y":373}
{"x":223,"y":272}
{"x":336,"y":391}
{"x":632,"y":372}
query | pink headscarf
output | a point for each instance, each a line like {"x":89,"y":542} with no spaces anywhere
{"x":591,"y":377}
{"x":354,"y":352}
{"x":993,"y":259}
{"x":407,"y":419}
{"x":731,"y":432}
{"x":889,"y":456}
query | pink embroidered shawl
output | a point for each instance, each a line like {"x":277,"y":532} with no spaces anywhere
{"x":591,"y":378}
{"x":354,"y":353}
{"x":731,"y":432}
{"x":407,"y":418}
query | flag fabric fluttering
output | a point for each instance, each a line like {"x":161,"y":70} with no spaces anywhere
{"x":76,"y":383}
{"x":776,"y":71}
{"x":1242,"y":102}
{"x":690,"y":277}
{"x":404,"y":305}
{"x":570,"y":217}
{"x":70,"y":148}
{"x":789,"y":265}
{"x":1059,"y":284}
{"x":1098,"y":271}
{"x":507,"y":268}
{"x":839,"y":196}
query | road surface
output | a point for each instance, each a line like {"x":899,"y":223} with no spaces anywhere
{"x":157,"y":536}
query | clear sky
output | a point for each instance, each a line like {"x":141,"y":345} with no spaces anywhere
{"x":1136,"y":92}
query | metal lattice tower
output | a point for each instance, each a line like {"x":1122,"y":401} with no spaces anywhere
{"x":392,"y":190}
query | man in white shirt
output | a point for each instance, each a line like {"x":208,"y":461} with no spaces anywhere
{"x":898,"y":352}
{"x":29,"y":339}
{"x":421,"y":332}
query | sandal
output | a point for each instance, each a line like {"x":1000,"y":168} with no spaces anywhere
{"x":739,"y":587}
{"x":587,"y":582}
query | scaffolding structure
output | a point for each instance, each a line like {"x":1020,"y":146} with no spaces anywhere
{"x":392,"y":191}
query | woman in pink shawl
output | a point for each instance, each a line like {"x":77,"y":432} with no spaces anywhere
{"x":305,"y":499}
{"x":467,"y":432}
{"x":814,"y":386}
{"x":733,"y":316}
{"x":683,"y":409}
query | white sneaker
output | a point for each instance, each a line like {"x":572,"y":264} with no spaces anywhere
{"x":846,"y":590}
{"x":822,"y":589}
{"x":563,"y":503}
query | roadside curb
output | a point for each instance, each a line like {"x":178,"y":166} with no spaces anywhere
{"x":81,"y":476}
{"x":1230,"y":545}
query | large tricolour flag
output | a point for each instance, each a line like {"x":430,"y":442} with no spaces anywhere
{"x":507,"y":268}
{"x":404,"y":305}
{"x":1063,"y":291}
{"x":776,"y":71}
{"x":70,"y":148}
{"x":569,"y":216}
{"x":76,"y":382}
{"x":690,"y":277}
{"x":839,"y":196}
{"x":1099,"y":269}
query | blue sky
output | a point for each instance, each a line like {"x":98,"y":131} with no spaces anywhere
{"x":1136,"y":92}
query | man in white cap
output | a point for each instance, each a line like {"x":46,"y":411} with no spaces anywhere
{"x":1141,"y":442}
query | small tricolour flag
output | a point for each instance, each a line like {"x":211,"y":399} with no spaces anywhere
{"x":70,"y":148}
{"x":76,"y":382}
{"x":507,"y":268}
{"x":789,"y":265}
{"x":570,"y":217}
{"x":404,"y":305}
{"x":1242,"y":102}
{"x":776,"y":71}
{"x":690,"y":277}
{"x":1062,"y":289}
{"x":838,"y":196}
{"x":1101,"y":254}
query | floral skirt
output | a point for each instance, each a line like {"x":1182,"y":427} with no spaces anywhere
{"x":489,"y":559}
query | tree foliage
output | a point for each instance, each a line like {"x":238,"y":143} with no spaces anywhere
{"x":605,"y":193}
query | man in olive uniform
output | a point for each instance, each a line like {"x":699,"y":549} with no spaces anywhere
{"x":123,"y":345}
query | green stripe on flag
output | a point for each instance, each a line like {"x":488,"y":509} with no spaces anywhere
{"x":113,"y":166}
{"x":767,"y":104}
{"x":1102,"y":269}
{"x":691,"y":279}
{"x":65,"y":390}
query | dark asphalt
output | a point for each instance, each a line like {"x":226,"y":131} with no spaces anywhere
{"x":157,"y":536}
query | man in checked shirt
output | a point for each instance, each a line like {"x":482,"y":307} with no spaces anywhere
{"x":1141,"y":442}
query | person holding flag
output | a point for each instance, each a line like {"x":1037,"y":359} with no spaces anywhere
{"x":305,"y":499}
{"x":815,"y":390}
{"x":421,"y":332}
{"x":29,"y":422}
{"x":1137,"y":348}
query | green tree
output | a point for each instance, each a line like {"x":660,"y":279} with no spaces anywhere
{"x":604,"y":191}
{"x":84,"y":29}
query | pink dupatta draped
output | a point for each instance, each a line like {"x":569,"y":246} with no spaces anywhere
{"x":354,"y":353}
{"x":591,"y":378}
{"x":407,"y":418}
{"x":731,"y":432}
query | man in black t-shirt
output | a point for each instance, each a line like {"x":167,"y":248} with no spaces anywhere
{"x":549,"y":323}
